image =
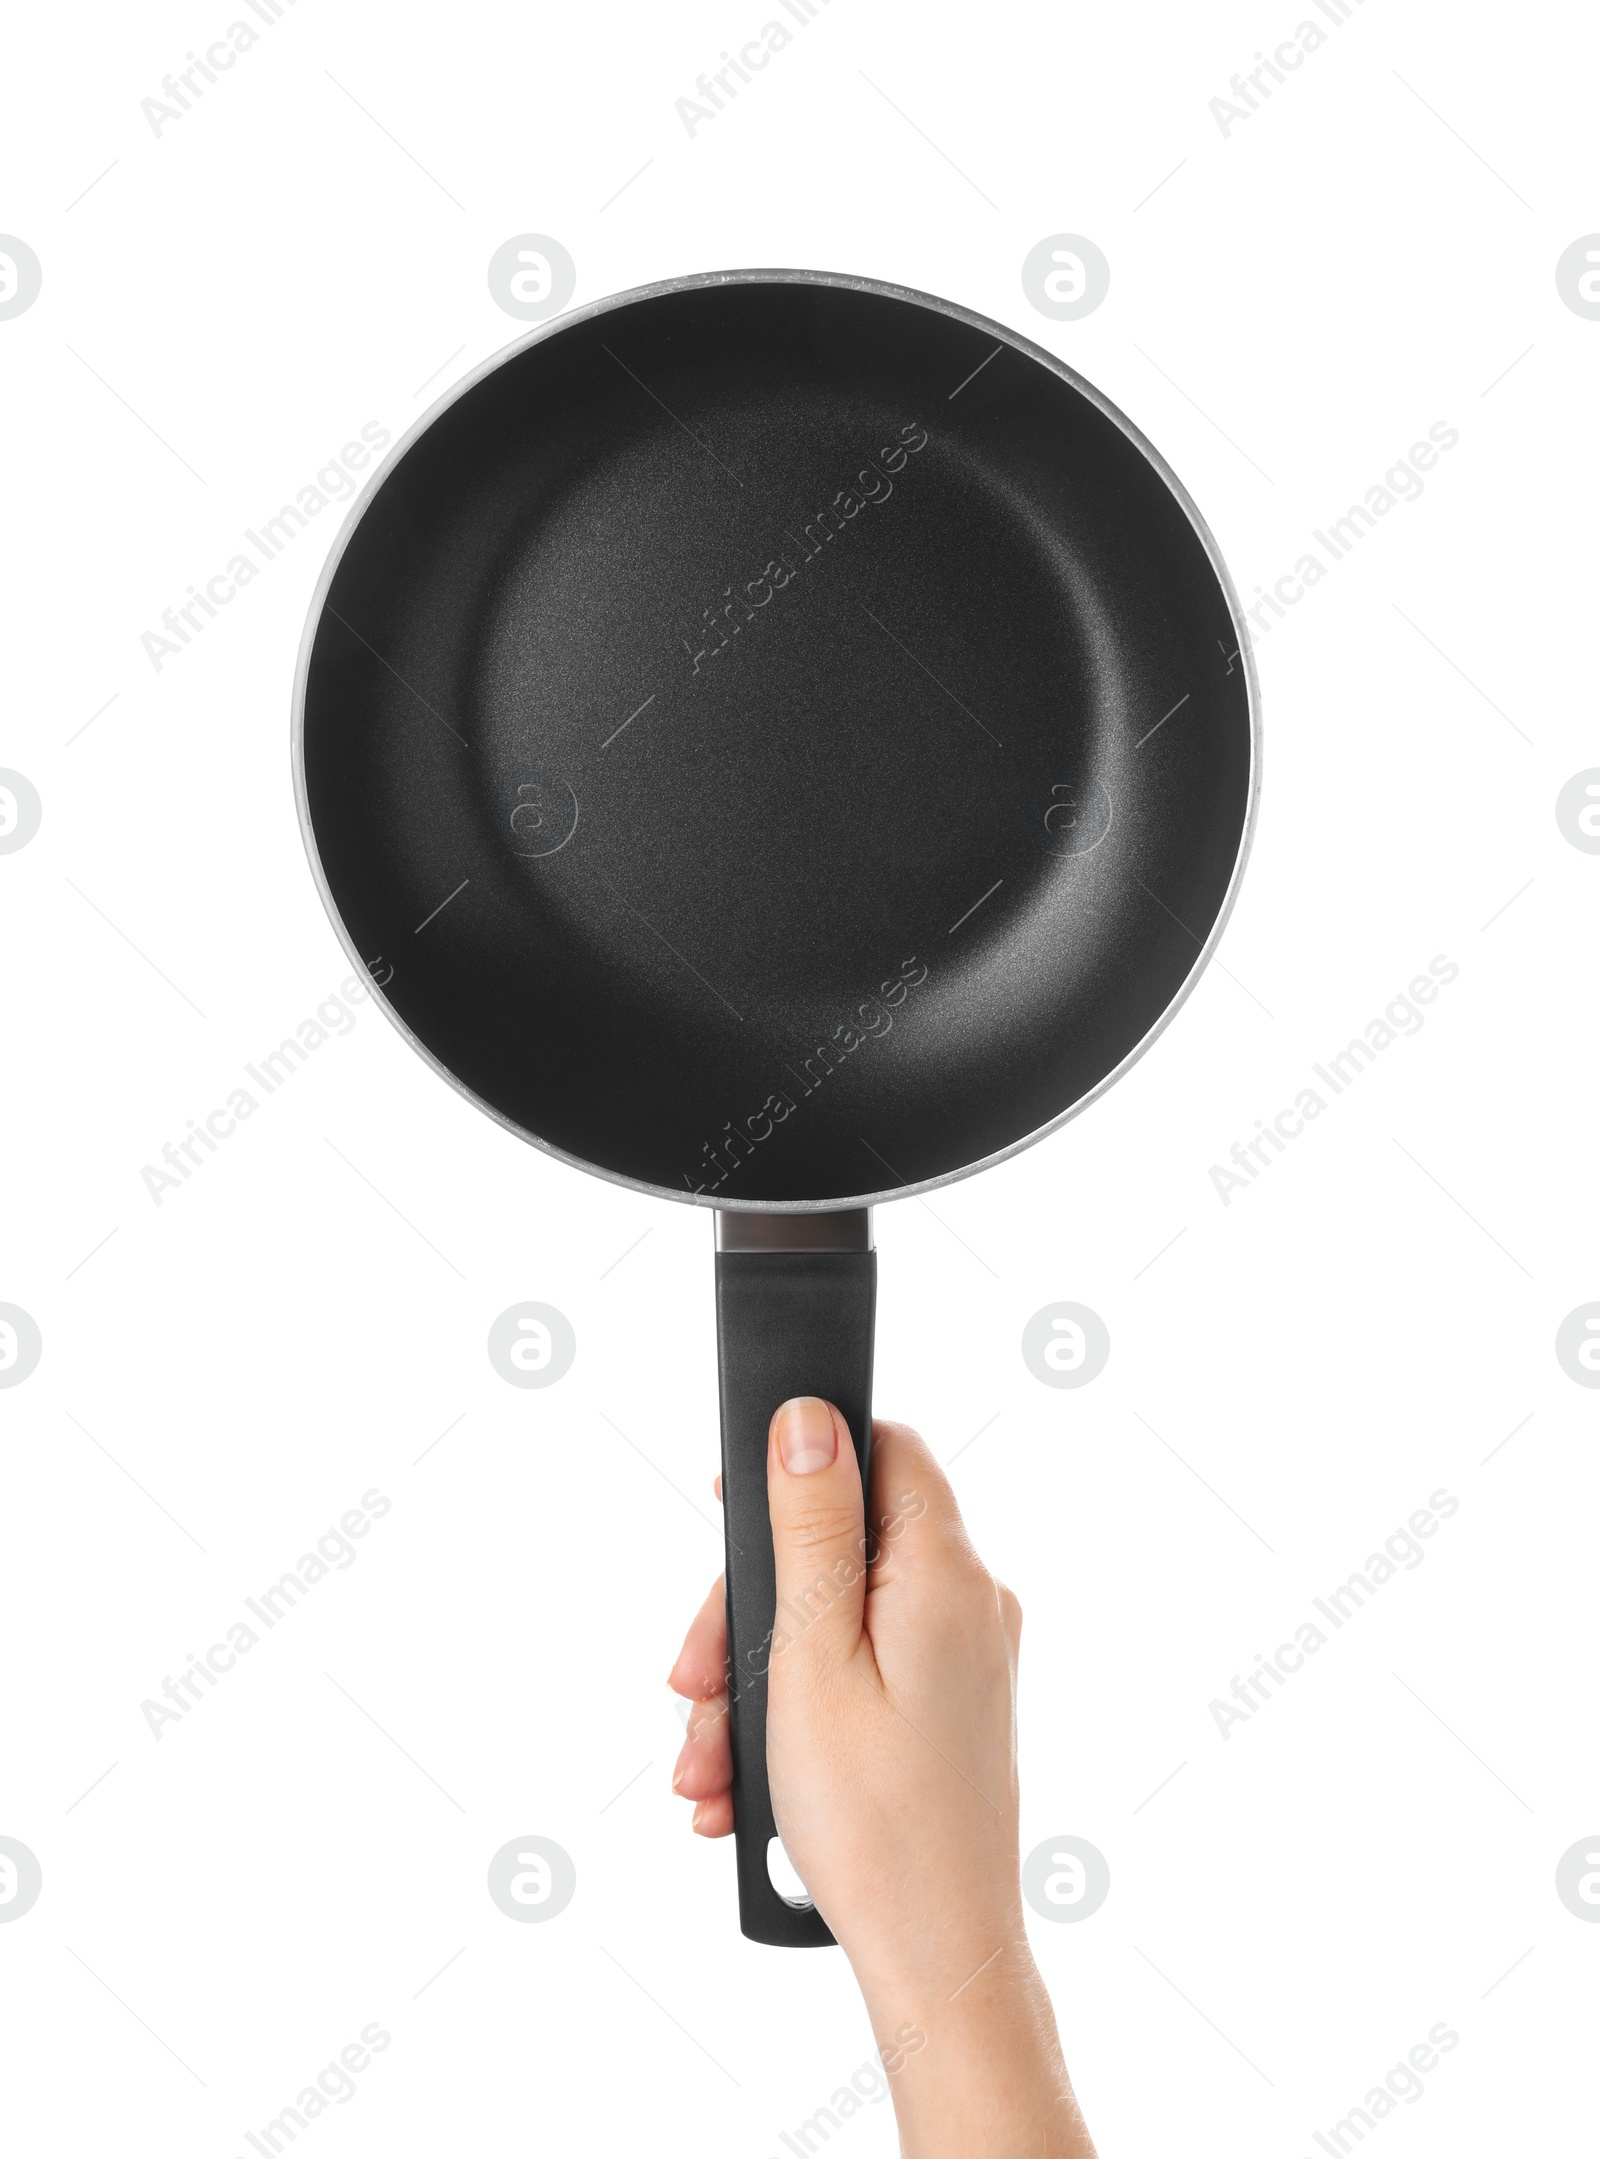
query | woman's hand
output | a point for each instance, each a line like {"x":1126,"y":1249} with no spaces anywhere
{"x":891,"y":1753}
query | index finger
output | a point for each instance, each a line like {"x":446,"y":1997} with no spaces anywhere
{"x":701,"y":1670}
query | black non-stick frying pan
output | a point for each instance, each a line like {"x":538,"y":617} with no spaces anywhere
{"x":780,"y":742}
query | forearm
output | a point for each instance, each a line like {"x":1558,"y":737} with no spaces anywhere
{"x":984,"y":2076}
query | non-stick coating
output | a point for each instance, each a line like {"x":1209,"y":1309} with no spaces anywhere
{"x":776,"y":741}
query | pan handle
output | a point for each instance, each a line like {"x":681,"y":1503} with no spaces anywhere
{"x":796,"y":1298}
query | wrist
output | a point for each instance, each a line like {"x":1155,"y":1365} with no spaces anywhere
{"x":920,"y":1976}
{"x":968,"y":2041}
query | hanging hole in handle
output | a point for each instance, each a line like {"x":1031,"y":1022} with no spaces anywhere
{"x":784,"y":1879}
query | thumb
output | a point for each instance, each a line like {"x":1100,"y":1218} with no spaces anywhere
{"x":818,"y":1534}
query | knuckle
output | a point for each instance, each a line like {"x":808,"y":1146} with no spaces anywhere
{"x":983,"y":1609}
{"x":891,"y":1428}
{"x":818,"y":1525}
{"x":963,"y":1599}
{"x":705,"y":1718}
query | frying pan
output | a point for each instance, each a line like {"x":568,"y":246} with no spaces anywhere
{"x":779,"y":742}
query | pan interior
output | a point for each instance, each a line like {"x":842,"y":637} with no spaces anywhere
{"x":775,"y":741}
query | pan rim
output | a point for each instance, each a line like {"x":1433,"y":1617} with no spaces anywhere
{"x":849,"y":282}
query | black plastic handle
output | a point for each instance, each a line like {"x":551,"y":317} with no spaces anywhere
{"x":793,"y":1317}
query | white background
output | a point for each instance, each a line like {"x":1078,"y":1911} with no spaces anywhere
{"x":1303,"y":1900}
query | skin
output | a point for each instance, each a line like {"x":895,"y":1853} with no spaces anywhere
{"x":891,"y":1751}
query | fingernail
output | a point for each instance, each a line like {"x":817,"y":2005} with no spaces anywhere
{"x":806,"y":1437}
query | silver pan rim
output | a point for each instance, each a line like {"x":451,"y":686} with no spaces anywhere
{"x":844,"y":281}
